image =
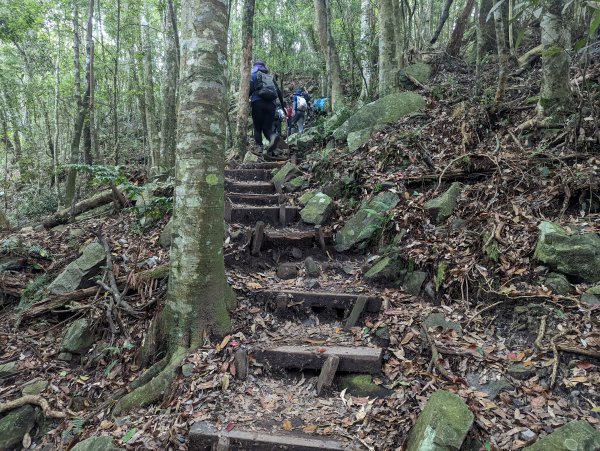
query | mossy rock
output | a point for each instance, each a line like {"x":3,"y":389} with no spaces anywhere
{"x":35,"y":387}
{"x":419,"y":71}
{"x":78,"y":338}
{"x":295,"y":184}
{"x":438,"y":319}
{"x":366,"y":222}
{"x":249,"y":157}
{"x":79,"y":273}
{"x":576,"y":255}
{"x":442,"y":425}
{"x":358,"y":139}
{"x":8,"y":368}
{"x":318,"y":209}
{"x":166,"y":235}
{"x":383,"y":111}
{"x":558,"y":283}
{"x":414,"y":281}
{"x":15,"y":425}
{"x":334,"y":121}
{"x":441,"y":208}
{"x":306,"y":197}
{"x":288,"y":171}
{"x":386,"y":269}
{"x":573,"y":436}
{"x":103,"y":443}
{"x":362,"y":385}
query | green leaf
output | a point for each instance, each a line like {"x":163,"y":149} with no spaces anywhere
{"x":595,"y":22}
{"x":129,"y":435}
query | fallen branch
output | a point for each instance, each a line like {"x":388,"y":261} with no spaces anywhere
{"x":35,"y":400}
{"x":578,"y":350}
{"x":489,"y":307}
{"x":64,"y":215}
{"x":435,"y":357}
{"x":541,"y":333}
{"x":555,"y":359}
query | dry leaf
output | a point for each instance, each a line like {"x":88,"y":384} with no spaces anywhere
{"x":287,"y":425}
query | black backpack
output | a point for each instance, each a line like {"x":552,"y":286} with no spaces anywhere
{"x":265,"y":86}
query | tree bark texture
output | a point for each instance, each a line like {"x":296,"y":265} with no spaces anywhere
{"x":387,"y":48}
{"x":487,"y":43}
{"x":366,"y":17}
{"x":443,"y":19}
{"x":555,"y":91}
{"x":241,"y":133}
{"x":88,"y":105}
{"x":332,"y":59}
{"x":171,"y":77}
{"x":502,"y":58}
{"x":453,"y":48}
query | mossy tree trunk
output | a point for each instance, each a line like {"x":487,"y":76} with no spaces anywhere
{"x":241,"y":135}
{"x":502,"y":58}
{"x":453,"y":48}
{"x":197,"y":296}
{"x":555,"y":91}
{"x":171,"y":76}
{"x":387,"y":48}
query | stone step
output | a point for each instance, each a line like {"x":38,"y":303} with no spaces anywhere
{"x":243,"y":174}
{"x":204,"y":436}
{"x":232,"y":186}
{"x":253,"y":199}
{"x":352,"y":359}
{"x":325,"y":299}
{"x":251,"y":214}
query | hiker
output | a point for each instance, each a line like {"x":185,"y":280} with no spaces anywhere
{"x":289,"y":118}
{"x":279,"y":116}
{"x":300,"y":106}
{"x":263,"y":94}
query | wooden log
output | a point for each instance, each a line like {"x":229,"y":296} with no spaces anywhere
{"x":327,"y":373}
{"x":357,"y":310}
{"x":326,"y":299}
{"x":259,"y":235}
{"x":64,"y":215}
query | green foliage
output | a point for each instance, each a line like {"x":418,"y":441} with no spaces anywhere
{"x":18,"y":17}
{"x":440,"y":275}
{"x":33,"y":292}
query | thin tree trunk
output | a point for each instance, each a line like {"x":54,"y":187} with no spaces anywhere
{"x":332,"y":60}
{"x":115,"y":106}
{"x":366,"y":14}
{"x":169,"y":122}
{"x":55,"y":156}
{"x":88,"y":95}
{"x":141,"y":99}
{"x":387,"y":48}
{"x":487,"y":43}
{"x":241,"y":133}
{"x":453,"y":48}
{"x":502,"y":58}
{"x":443,"y":19}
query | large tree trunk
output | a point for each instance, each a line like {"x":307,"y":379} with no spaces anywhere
{"x":487,"y":43}
{"x":196,"y":301}
{"x":366,"y":18}
{"x":387,"y":48}
{"x":241,"y":132}
{"x":502,"y":58}
{"x":555,"y":91}
{"x":453,"y":48}
{"x":153,"y":138}
{"x":169,"y":122}
{"x":332,"y":59}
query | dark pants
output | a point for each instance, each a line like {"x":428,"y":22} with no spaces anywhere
{"x":263,"y":114}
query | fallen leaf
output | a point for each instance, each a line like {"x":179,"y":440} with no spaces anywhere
{"x":309,"y":429}
{"x":287,"y":425}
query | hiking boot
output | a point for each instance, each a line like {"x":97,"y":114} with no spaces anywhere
{"x":273,"y":143}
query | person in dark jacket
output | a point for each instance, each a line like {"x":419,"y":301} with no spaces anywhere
{"x":263,"y":107}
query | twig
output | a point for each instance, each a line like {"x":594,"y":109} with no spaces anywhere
{"x":554,"y":359}
{"x":435,"y":356}
{"x":577,"y":350}
{"x":541,"y":333}
{"x":32,"y":399}
{"x":517,"y":142}
{"x":489,"y":307}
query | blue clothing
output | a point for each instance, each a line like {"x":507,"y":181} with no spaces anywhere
{"x":258,"y":67}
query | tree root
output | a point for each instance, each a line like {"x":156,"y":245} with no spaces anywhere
{"x":541,"y":333}
{"x":435,"y":357}
{"x":157,"y":385}
{"x":32,"y":399}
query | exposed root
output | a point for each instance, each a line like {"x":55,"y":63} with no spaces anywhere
{"x":541,"y":333}
{"x":435,"y":358}
{"x":555,"y":359}
{"x":155,"y":388}
{"x":35,"y":400}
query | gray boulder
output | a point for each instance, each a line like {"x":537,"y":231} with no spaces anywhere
{"x":575,"y":255}
{"x":15,"y":425}
{"x":441,"y":208}
{"x":78,"y":338}
{"x":442,"y":425}
{"x":318,"y":209}
{"x":78,"y":273}
{"x":332,"y":123}
{"x":166,"y":235}
{"x":385,"y":270}
{"x":558,"y":283}
{"x":249,"y":157}
{"x":358,"y":138}
{"x":367,"y":220}
{"x":383,"y":111}
{"x":418,"y":71}
{"x":573,"y":436}
{"x":103,"y":443}
{"x":414,"y":281}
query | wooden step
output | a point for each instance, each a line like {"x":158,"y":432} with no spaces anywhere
{"x":294,"y":237}
{"x":204,"y":436}
{"x":262,"y":165}
{"x":352,"y":359}
{"x":257,"y":175}
{"x":253,"y":199}
{"x":321,"y":299}
{"x":232,"y":186}
{"x":249,"y":214}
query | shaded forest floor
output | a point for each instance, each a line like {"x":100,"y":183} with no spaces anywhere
{"x":491,"y":293}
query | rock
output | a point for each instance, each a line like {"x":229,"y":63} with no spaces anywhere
{"x":573,"y":436}
{"x":295,"y":184}
{"x":414,"y":281}
{"x":527,"y":435}
{"x":312,"y":283}
{"x":366,"y":221}
{"x":284,"y":174}
{"x":34,"y":387}
{"x":304,"y":141}
{"x":358,"y":138}
{"x":26,"y":229}
{"x":590,"y":300}
{"x":520,"y":371}
{"x":382,"y":335}
{"x":296,"y":253}
{"x":103,"y":443}
{"x":334,"y":189}
{"x":333,"y":122}
{"x":317,"y":210}
{"x":187,"y":369}
{"x":558,"y":283}
{"x":442,"y":425}
{"x":595,"y":290}
{"x":166,"y":234}
{"x":312,"y":269}
{"x":78,"y":273}
{"x":441,"y":207}
{"x":76,"y":233}
{"x":249,"y":157}
{"x":387,"y":109}
{"x":287,"y":271}
{"x":575,"y":255}
{"x":65,"y":356}
{"x":306,"y":197}
{"x":419,"y":71}
{"x":435,"y":320}
{"x":79,"y":337}
{"x":492,"y":388}
{"x":385,"y":270}
{"x":362,"y":385}
{"x":8,"y":368}
{"x":15,"y":425}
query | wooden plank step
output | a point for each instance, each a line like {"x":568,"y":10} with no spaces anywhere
{"x":249,"y":187}
{"x":352,"y":359}
{"x":262,"y":165}
{"x":253,"y":199}
{"x":262,"y":175}
{"x":293,"y":238}
{"x":204,"y":436}
{"x":249,"y":214}
{"x":327,"y":299}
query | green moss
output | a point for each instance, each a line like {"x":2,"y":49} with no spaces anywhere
{"x":33,"y":292}
{"x":440,"y":275}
